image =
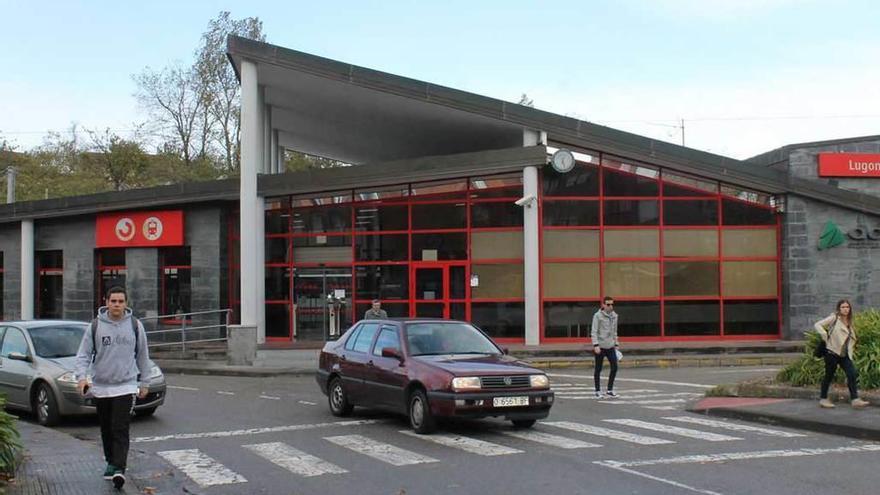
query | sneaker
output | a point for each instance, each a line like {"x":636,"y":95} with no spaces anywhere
{"x":859,"y":403}
{"x":827,"y":404}
{"x":108,"y":472}
{"x":611,"y":394}
{"x":598,"y":394}
{"x":118,"y":479}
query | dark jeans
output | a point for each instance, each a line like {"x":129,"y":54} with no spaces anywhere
{"x":831,"y":362}
{"x":114,"y":415}
{"x":611,"y":354}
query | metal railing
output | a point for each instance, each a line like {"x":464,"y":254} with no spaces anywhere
{"x":172,"y":330}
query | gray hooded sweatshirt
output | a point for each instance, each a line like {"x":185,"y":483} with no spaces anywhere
{"x":116,"y":367}
{"x":604,"y":331}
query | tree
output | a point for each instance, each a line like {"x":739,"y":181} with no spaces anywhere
{"x":294,"y":161}
{"x":217,"y":75}
{"x":176,"y":99}
{"x":121,"y":163}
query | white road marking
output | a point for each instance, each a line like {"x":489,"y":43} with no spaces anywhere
{"x":755,"y":370}
{"x":178,"y":387}
{"x":591,"y":390}
{"x":744,"y":456}
{"x":384,"y":452}
{"x":223,"y":392}
{"x":307,"y":403}
{"x":662,"y":408}
{"x":606,"y":432}
{"x":624,"y":396}
{"x":638,"y":380}
{"x":252,"y":431}
{"x":548,"y":439}
{"x":270,"y":397}
{"x":642,"y":402}
{"x":733,"y":426}
{"x":657,"y":478}
{"x":200,"y":468}
{"x":467,"y":444}
{"x":294,"y":460}
{"x":673,"y":430}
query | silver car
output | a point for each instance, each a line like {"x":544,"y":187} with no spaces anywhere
{"x":37,"y":360}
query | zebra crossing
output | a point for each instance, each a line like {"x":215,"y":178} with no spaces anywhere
{"x":385,"y":447}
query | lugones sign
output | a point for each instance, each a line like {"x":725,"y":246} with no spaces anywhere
{"x":849,"y":165}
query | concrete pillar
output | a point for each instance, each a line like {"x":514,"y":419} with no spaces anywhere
{"x":27,"y":269}
{"x":531,"y":258}
{"x":252,"y":277}
{"x":273,"y":152}
{"x":242,"y":345}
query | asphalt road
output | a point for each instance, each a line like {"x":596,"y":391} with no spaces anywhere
{"x":223,"y":435}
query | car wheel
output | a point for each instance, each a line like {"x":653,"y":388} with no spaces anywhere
{"x":420,"y":417}
{"x":45,"y":406}
{"x":523,"y":423}
{"x":146,"y":412}
{"x":339,"y":405}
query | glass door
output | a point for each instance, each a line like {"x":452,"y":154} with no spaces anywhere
{"x":439,"y":290}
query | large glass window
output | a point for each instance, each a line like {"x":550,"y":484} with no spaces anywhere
{"x":736,"y":212}
{"x":692,"y":318}
{"x":323,"y":249}
{"x":110,"y":272}
{"x":690,"y":243}
{"x":638,"y":318}
{"x":632,"y":279}
{"x":322,"y":219}
{"x":687,"y":212}
{"x":381,"y":217}
{"x":50,"y":284}
{"x":497,"y":281}
{"x":690,"y":278}
{"x":439,"y":216}
{"x":750,"y":243}
{"x":632,"y":212}
{"x":496,"y":214}
{"x":559,"y":213}
{"x":568,"y":319}
{"x":749,"y":278}
{"x":386,"y":247}
{"x":497,"y":245}
{"x":500,"y":320}
{"x":176,"y":270}
{"x":571,"y":280}
{"x":434,"y":247}
{"x":384,"y":282}
{"x":632,"y":243}
{"x":745,"y":317}
{"x":571,"y":244}
{"x":626,"y":179}
{"x":582,"y":181}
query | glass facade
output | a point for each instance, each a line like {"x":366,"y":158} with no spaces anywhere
{"x":684,"y":257}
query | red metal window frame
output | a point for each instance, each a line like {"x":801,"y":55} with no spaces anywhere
{"x":99,"y":269}
{"x":661,"y":259}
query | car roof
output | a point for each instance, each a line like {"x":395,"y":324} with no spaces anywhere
{"x":41,"y":323}
{"x":418,"y":320}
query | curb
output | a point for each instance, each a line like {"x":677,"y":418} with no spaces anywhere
{"x":791,"y":422}
{"x":233,"y":371}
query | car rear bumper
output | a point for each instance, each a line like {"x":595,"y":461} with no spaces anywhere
{"x":321,"y":377}
{"x":481,"y":405}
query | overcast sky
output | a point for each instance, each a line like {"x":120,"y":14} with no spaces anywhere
{"x":746,"y":76}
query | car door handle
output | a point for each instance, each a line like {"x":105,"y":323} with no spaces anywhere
{"x":370,"y":363}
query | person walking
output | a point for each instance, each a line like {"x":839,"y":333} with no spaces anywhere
{"x":839,"y":335}
{"x":376,"y":312}
{"x":604,"y":337}
{"x":114,"y":352}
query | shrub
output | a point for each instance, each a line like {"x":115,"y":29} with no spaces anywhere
{"x":9,"y":442}
{"x":808,"y":370}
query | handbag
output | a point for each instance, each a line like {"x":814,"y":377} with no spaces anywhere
{"x":822,"y":347}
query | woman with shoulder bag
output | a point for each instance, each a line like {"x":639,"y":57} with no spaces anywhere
{"x":840,"y":340}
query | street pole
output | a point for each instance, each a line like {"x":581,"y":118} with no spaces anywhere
{"x":324,"y":307}
{"x":10,"y":184}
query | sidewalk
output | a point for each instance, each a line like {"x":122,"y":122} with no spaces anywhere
{"x":804,"y":413}
{"x":56,"y":463}
{"x":281,"y":361}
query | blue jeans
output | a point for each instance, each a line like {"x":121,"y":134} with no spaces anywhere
{"x":611,"y":354}
{"x":831,"y":362}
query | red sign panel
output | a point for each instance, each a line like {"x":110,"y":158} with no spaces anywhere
{"x":139,"y":229}
{"x":849,"y":165}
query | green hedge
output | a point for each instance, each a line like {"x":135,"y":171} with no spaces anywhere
{"x":9,"y":442}
{"x":808,"y":370}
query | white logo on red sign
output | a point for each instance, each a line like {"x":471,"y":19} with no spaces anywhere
{"x":152,"y":228}
{"x":125,"y":229}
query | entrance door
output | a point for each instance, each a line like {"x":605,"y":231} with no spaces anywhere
{"x":439,"y":290}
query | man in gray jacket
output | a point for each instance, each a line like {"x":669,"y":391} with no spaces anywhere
{"x":115,"y":356}
{"x":604,"y":338}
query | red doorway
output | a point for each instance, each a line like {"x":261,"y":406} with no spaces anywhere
{"x":439,"y":290}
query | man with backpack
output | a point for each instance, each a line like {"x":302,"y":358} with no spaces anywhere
{"x":114,"y":352}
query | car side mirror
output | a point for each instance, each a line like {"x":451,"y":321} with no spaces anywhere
{"x":392,"y":352}
{"x":505,"y":351}
{"x":17,"y":356}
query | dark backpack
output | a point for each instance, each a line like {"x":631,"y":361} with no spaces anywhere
{"x":94,"y":328}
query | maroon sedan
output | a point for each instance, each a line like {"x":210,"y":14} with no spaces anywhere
{"x":430,"y":369}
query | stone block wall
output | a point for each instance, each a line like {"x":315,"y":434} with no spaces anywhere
{"x":75,"y":238}
{"x":10,"y":246}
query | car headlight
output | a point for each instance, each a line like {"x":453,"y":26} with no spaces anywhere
{"x":155,"y":372}
{"x":465,"y":383}
{"x":69,"y":377}
{"x":539,"y":381}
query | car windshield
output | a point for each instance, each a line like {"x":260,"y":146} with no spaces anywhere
{"x":57,"y":341}
{"x":447,"y":338}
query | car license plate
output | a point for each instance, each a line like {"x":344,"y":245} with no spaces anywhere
{"x":510,"y":401}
